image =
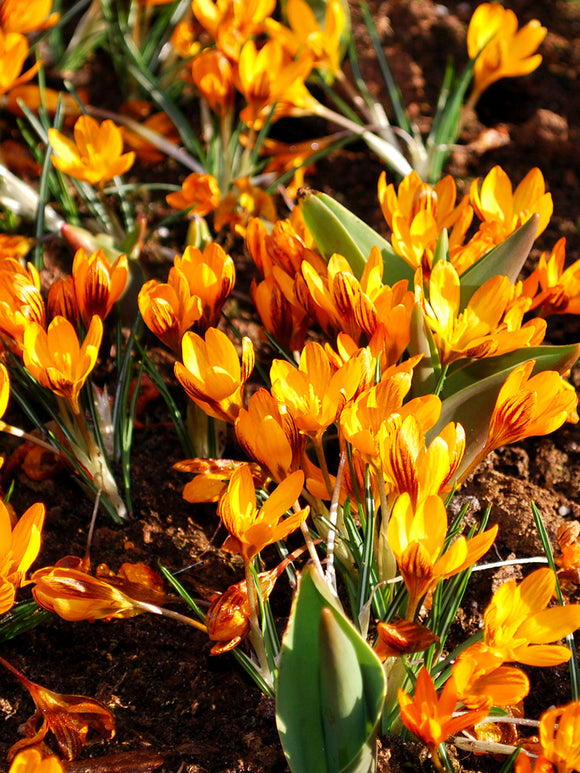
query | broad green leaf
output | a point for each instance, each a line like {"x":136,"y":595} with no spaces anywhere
{"x":335,"y":228}
{"x":506,"y":259}
{"x":331,"y":686}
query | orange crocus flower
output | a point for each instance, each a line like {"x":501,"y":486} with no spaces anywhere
{"x":95,"y":155}
{"x":501,"y":49}
{"x":504,"y":210}
{"x":61,"y":301}
{"x":68,"y":717}
{"x":211,"y":373}
{"x":197,"y":287}
{"x":411,"y":466}
{"x":27,"y":15}
{"x":32,"y":761}
{"x":20,"y":300}
{"x":560,"y":738}
{"x":530,"y":406}
{"x":232,"y":22}
{"x":482,"y":681}
{"x":430,"y":717}
{"x":268,"y":77}
{"x":4,"y":389}
{"x":199,"y":192}
{"x":57,"y":360}
{"x":305,"y":33}
{"x":417,"y":538}
{"x":98,"y":284}
{"x":213,"y":76}
{"x":473,"y":331}
{"x":19,"y":546}
{"x":315,"y":393}
{"x":211,"y":276}
{"x":13,"y":54}
{"x":559,"y":287}
{"x":269,"y":435}
{"x":417,"y":213}
{"x":518,"y":626}
{"x":250,"y":529}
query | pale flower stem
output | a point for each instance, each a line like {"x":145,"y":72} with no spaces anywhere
{"x":9,"y":429}
{"x":155,"y":610}
{"x":330,"y":571}
{"x":309,"y":542}
{"x":317,"y":441}
{"x":255,"y":636}
{"x":386,"y":560}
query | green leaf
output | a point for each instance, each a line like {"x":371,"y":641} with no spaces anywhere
{"x":335,"y":228}
{"x":23,"y":617}
{"x":330,"y":697}
{"x":506,"y":259}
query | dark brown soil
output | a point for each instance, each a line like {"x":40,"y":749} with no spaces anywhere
{"x":169,"y":696}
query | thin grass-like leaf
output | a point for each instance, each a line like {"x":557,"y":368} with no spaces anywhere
{"x":547,"y":546}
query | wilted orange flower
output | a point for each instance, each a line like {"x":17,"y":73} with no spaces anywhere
{"x":211,"y":373}
{"x":231,"y":22}
{"x":75,"y":595}
{"x":68,"y":717}
{"x":32,"y":761}
{"x":13,"y":54}
{"x":20,"y":300}
{"x":569,"y":558}
{"x":200,"y":193}
{"x":417,"y":538}
{"x":184,"y":41}
{"x":212,"y":477}
{"x":501,"y":49}
{"x":50,"y":99}
{"x":95,"y":155}
{"x":19,"y":546}
{"x":27,"y":15}
{"x":228,"y":618}
{"x":504,"y":210}
{"x":269,"y":77}
{"x":57,"y":360}
{"x":430,"y":717}
{"x":212,"y":73}
{"x":305,"y":33}
{"x":417,"y":213}
{"x":250,"y":529}
{"x":400,"y":637}
{"x":98,"y":284}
